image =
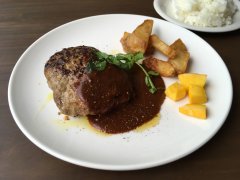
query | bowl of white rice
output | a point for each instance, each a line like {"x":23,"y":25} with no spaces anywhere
{"x":201,"y":15}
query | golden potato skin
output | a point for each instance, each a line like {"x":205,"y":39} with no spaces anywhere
{"x":164,"y":68}
{"x":161,"y":46}
{"x":137,"y":41}
{"x":180,"y":61}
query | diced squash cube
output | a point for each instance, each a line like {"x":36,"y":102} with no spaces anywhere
{"x":191,"y":78}
{"x":176,"y":91}
{"x":194,"y":110}
{"x":197,"y":95}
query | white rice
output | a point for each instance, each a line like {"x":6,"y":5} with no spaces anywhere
{"x":206,"y":13}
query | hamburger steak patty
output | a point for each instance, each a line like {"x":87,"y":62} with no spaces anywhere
{"x":79,"y":92}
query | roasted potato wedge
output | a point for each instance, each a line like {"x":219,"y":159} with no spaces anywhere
{"x":180,"y":61}
{"x":161,"y":46}
{"x":164,"y":68}
{"x":132,"y":44}
{"x":137,"y":41}
{"x":144,"y":30}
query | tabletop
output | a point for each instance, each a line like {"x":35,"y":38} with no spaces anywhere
{"x":24,"y":21}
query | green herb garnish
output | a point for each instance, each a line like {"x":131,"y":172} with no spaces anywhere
{"x":153,"y":73}
{"x":152,"y":89}
{"x":96,"y":65}
{"x":123,"y":61}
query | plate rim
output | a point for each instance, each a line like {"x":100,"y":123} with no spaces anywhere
{"x":223,"y":29}
{"x":102,"y":165}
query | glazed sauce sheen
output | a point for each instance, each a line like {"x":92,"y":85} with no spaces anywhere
{"x":105,"y":90}
{"x":143,"y":107}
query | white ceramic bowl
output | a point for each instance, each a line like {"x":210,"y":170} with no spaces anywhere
{"x":162,"y":8}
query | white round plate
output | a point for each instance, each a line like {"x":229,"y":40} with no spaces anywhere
{"x":162,"y":8}
{"x":174,"y":137}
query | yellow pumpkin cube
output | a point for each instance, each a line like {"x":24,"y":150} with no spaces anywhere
{"x":176,"y":91}
{"x":196,"y":95}
{"x":194,"y":110}
{"x":187,"y":79}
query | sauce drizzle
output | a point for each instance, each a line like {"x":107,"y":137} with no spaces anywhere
{"x":142,"y":108}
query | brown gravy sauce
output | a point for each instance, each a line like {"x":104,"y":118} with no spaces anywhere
{"x":143,"y":107}
{"x":105,"y":90}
